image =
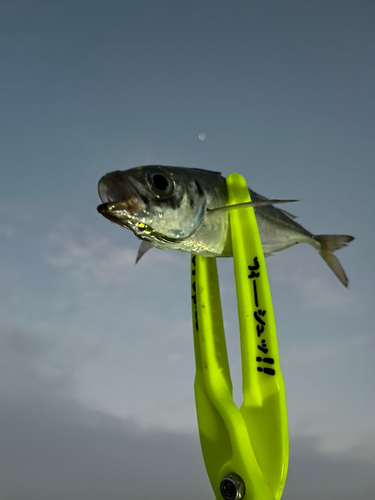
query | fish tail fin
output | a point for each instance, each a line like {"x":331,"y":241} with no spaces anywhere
{"x":328,"y":244}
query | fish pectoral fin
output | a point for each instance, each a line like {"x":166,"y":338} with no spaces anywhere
{"x":144,"y":247}
{"x":254,"y":204}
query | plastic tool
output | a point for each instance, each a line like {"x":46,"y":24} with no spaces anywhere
{"x":245,"y":449}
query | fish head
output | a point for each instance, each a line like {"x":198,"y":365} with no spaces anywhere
{"x":159,"y":204}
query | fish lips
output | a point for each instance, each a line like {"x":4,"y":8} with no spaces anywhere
{"x":119,"y":212}
{"x":106,"y":209}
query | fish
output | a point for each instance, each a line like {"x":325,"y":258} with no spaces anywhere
{"x":186,"y":209}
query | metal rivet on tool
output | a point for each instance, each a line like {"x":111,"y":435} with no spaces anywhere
{"x":232,"y":487}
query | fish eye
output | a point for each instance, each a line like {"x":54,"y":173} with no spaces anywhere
{"x":161,"y":183}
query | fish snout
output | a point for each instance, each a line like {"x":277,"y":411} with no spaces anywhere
{"x":115,"y":187}
{"x":121,"y":211}
{"x":107,"y":210}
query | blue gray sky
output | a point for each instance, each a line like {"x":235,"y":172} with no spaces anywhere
{"x":97,"y":362}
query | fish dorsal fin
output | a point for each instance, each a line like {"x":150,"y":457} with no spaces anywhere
{"x":144,"y":247}
{"x":288,"y":214}
{"x":205,"y":170}
{"x":257,"y":197}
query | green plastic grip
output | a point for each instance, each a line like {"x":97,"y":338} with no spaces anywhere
{"x":252,"y":441}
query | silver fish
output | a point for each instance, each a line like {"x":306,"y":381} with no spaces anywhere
{"x":186,"y":209}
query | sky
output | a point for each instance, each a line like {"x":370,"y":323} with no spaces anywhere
{"x":96,"y":359}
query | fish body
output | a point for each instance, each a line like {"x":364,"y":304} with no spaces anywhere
{"x":186,"y":209}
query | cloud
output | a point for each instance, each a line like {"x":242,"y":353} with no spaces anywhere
{"x":14,"y":212}
{"x":57,"y":449}
{"x":105,"y":291}
{"x":326,"y":351}
{"x":125,"y":322}
{"x":14,"y":218}
{"x":31,"y":365}
{"x":327,"y":476}
{"x":304,"y":273}
{"x":54,"y":448}
{"x":97,"y":390}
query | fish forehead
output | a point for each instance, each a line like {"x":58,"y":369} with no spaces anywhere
{"x":182,"y":176}
{"x":177,"y":170}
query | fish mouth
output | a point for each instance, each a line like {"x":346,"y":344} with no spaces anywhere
{"x":107,"y":210}
{"x":115,"y":213}
{"x":119,"y":214}
{"x":124,"y":213}
{"x":120,"y":211}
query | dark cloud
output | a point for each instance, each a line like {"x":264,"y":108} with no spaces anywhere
{"x":22,"y":343}
{"x":30,"y":365}
{"x":55,"y":448}
{"x":315,"y":475}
